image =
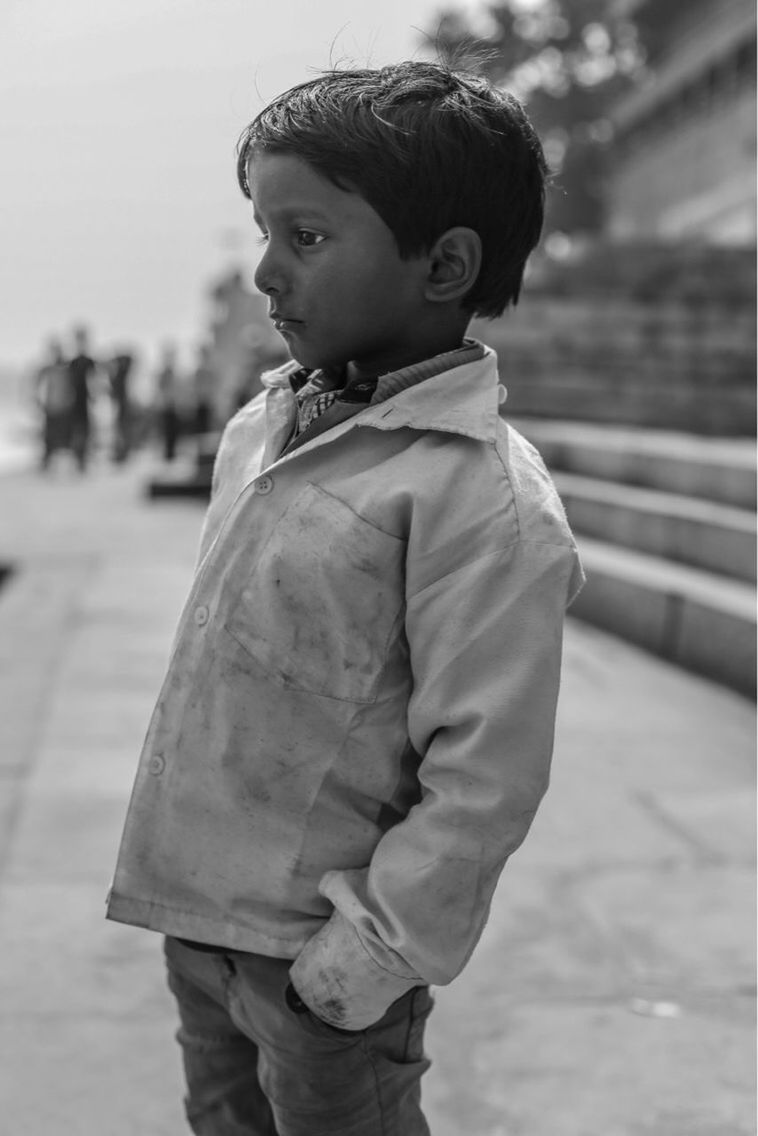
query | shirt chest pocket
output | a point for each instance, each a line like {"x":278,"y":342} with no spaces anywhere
{"x":320,"y":607}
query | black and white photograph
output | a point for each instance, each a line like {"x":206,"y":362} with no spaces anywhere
{"x":378,"y":568}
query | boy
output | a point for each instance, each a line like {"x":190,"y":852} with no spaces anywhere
{"x":356,"y":727}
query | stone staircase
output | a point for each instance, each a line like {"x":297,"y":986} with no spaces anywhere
{"x":666,"y":526}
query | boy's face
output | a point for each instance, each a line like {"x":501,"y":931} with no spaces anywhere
{"x":339,"y":293}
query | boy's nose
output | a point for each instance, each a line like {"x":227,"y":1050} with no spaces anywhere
{"x":268,"y":278}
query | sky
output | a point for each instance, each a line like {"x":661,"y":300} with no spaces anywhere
{"x":118,"y":125}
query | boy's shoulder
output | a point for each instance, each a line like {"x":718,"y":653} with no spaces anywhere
{"x":539,"y":509}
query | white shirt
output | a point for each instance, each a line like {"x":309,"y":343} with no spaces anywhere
{"x":357,"y":722}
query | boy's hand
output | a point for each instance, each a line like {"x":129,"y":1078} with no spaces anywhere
{"x":298,"y":1006}
{"x":338,"y":980}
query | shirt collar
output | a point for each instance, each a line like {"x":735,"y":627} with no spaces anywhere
{"x":393,"y":382}
{"x":463,"y":399}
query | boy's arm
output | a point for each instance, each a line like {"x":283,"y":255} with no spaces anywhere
{"x":485,"y":650}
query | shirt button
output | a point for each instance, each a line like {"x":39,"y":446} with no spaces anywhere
{"x":157,"y":764}
{"x":264,"y":484}
{"x":201,"y":615}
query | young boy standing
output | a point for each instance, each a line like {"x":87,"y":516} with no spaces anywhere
{"x":357,"y":722}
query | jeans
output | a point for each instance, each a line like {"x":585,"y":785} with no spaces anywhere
{"x":257,"y":1062}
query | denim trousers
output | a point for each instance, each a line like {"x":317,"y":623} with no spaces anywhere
{"x":257,"y":1062}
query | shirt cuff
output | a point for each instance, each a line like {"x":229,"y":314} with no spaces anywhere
{"x":339,"y":980}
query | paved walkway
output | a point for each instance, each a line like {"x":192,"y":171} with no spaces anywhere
{"x":613,"y":991}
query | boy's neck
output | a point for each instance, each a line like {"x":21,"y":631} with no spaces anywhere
{"x":355,"y":371}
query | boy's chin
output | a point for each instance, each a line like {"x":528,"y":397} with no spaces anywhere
{"x":314,"y":357}
{"x":313,"y":361}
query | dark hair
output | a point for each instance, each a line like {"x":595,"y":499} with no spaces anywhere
{"x":428,"y":148}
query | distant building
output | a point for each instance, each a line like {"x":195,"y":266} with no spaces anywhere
{"x":683,"y":163}
{"x":242,"y":344}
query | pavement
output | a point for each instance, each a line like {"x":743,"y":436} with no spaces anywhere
{"x":613,"y":992}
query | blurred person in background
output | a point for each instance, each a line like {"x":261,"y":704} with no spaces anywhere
{"x":167,"y":402}
{"x":82,"y":369}
{"x":53,"y":395}
{"x":203,"y":381}
{"x":119,"y":369}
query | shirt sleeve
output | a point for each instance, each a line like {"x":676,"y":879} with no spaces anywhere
{"x":485,"y":650}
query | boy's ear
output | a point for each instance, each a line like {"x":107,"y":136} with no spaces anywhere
{"x":454,"y":263}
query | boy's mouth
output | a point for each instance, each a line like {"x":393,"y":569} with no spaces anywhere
{"x":282,"y":322}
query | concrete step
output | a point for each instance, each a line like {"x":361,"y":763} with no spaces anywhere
{"x":651,"y":270}
{"x":716,"y":469}
{"x":716,"y":537}
{"x":697,"y":619}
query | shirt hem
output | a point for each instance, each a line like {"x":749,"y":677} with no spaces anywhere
{"x":218,"y":933}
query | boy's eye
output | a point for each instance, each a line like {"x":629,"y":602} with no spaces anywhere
{"x":306,"y":238}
